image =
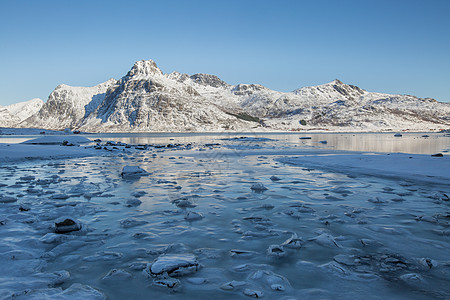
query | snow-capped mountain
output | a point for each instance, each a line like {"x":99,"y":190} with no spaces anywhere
{"x":13,"y":114}
{"x":146,"y":99}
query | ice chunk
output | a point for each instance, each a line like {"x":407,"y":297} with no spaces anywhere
{"x":253,"y":293}
{"x":173,"y":265}
{"x":293,"y":242}
{"x":193,"y":216}
{"x":133,"y":171}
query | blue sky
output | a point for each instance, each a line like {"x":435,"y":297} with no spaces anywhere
{"x":384,"y":46}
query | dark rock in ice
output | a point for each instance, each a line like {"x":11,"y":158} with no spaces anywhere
{"x":438,"y":155}
{"x":304,"y":138}
{"x":133,"y":202}
{"x":117,"y":275}
{"x":66,"y":226}
{"x":258,"y":187}
{"x":427,"y":263}
{"x":193,"y":216}
{"x":253,"y":293}
{"x":276,"y":251}
{"x":275,"y":178}
{"x":138,"y":194}
{"x":173,"y":265}
{"x":232,"y":285}
{"x":398,"y":135}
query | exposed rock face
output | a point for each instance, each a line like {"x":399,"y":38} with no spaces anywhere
{"x":67,"y":106}
{"x":146,"y":99}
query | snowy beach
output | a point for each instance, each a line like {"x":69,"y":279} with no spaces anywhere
{"x":201,"y":216}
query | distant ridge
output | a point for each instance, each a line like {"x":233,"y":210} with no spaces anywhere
{"x":147,"y":100}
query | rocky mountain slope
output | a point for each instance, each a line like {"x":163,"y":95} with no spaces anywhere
{"x":13,"y":114}
{"x":146,"y":99}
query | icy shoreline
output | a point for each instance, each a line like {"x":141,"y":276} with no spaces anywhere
{"x":219,"y":220}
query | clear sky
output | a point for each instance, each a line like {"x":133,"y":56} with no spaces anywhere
{"x":395,"y":46}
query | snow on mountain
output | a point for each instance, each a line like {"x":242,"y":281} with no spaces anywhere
{"x":146,"y":99}
{"x":67,"y":106}
{"x":15,"y":113}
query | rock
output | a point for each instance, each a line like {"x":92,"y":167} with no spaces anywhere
{"x":275,"y":178}
{"x":173,"y":265}
{"x":193,"y":216}
{"x":398,"y":135}
{"x":133,"y":171}
{"x":438,"y":155}
{"x":138,"y":194}
{"x":258,"y":187}
{"x":66,"y":226}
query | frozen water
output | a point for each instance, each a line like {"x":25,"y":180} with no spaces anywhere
{"x":332,"y":227}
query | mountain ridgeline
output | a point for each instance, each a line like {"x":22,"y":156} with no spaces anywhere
{"x":147,"y":100}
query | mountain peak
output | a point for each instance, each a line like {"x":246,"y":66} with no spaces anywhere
{"x":144,"y":68}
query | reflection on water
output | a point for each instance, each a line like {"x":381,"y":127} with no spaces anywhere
{"x":374,"y":142}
